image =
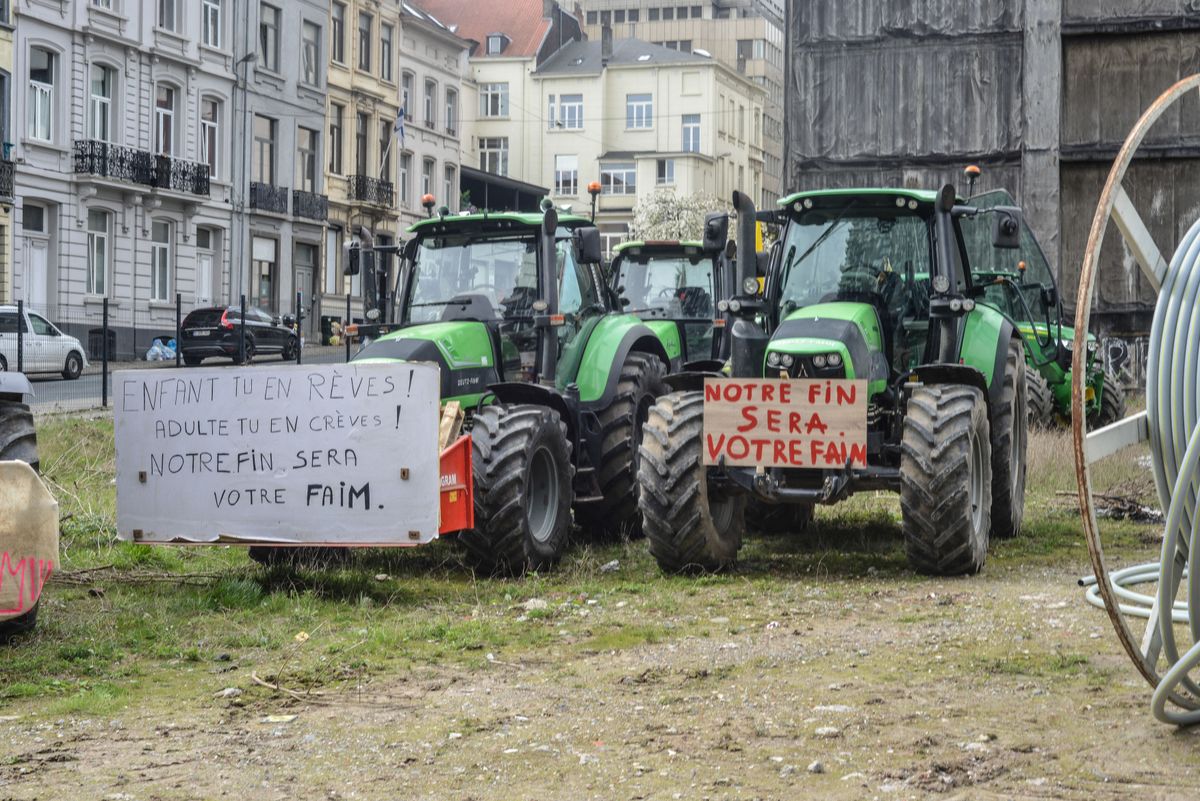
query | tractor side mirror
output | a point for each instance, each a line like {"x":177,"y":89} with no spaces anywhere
{"x":946,"y":199}
{"x":410,"y":250}
{"x":716,"y":231}
{"x":762,"y":263}
{"x":588,"y":249}
{"x":550,"y":221}
{"x":351,"y":251}
{"x":1006,"y":228}
{"x":1049,"y":296}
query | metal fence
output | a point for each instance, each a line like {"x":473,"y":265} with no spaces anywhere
{"x":70,"y":354}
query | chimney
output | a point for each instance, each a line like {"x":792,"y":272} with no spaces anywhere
{"x":606,"y":44}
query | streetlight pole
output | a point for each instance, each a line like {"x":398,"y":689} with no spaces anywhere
{"x":242,"y":179}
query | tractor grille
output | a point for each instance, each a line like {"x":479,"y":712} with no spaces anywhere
{"x":804,"y":368}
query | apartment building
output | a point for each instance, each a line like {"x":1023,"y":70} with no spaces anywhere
{"x":6,"y":139}
{"x":744,"y":35}
{"x":122,"y":139}
{"x":279,"y":203}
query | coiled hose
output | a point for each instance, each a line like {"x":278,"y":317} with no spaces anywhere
{"x":1173,"y":427}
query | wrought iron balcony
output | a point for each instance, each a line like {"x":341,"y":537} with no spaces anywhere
{"x":140,"y":167}
{"x":266,"y":197}
{"x":6,"y":180}
{"x":372,"y":190}
{"x":310,"y":205}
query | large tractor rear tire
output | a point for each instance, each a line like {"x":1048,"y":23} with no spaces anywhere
{"x":640,"y":384}
{"x":777,"y":518}
{"x":523,"y":489}
{"x":18,"y":443}
{"x":1112,"y":402}
{"x":946,"y":480}
{"x":690,"y":526}
{"x":1039,"y":401}
{"x":1010,"y":435}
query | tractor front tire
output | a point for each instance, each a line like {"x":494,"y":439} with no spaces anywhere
{"x":1039,"y":401}
{"x":777,"y":518}
{"x":523,"y":489}
{"x":1010,"y":435}
{"x":1112,"y":402}
{"x":640,"y":384}
{"x":18,"y":442}
{"x":946,"y":480}
{"x":689,"y":526}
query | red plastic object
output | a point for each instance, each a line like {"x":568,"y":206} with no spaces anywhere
{"x":457,"y":487}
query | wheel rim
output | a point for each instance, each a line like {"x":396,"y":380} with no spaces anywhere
{"x":73,"y":365}
{"x":976,"y":484}
{"x":542,"y":496}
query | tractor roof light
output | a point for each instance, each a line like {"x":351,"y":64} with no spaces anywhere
{"x":750,"y":286}
{"x":594,"y":188}
{"x":428,"y":200}
{"x":735,"y":306}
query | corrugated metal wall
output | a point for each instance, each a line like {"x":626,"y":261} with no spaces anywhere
{"x":1041,"y":92}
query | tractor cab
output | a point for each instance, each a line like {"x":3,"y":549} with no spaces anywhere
{"x":675,"y":288}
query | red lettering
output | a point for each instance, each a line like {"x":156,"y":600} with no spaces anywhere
{"x":715,"y":450}
{"x":748,"y":414}
{"x":796,"y":452}
{"x":768,"y":393}
{"x":794,"y":422}
{"x":785,"y":392}
{"x":31,"y":574}
{"x":816,"y":449}
{"x":835,"y":454}
{"x":814,"y":424}
{"x":814,"y":393}
{"x":774,"y":418}
{"x":741,"y":443}
{"x":846,"y":395}
{"x":858,"y":454}
{"x":759,"y":445}
{"x":712,"y":391}
{"x":780,"y":455}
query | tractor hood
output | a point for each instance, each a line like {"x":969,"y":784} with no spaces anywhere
{"x":849,"y":332}
{"x":463,"y":349}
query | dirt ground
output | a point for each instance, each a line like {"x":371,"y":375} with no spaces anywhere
{"x":1005,"y":685}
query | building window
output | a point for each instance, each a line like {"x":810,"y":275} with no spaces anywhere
{"x":427,"y":169}
{"x":496,"y":43}
{"x":406,"y":93}
{"x":33,"y":218}
{"x":105,"y":4}
{"x":41,"y":93}
{"x":385,"y":52}
{"x":452,"y":112}
{"x":160,"y":260}
{"x":666,"y":171}
{"x":100,"y":104}
{"x":619,"y":15}
{"x":619,"y":178}
{"x":166,"y":15}
{"x":263,"y":252}
{"x":336,"y":113}
{"x":337,"y":33}
{"x":310,"y":53}
{"x":430,"y":104}
{"x":5,"y":106}
{"x":450,"y":187}
{"x":493,"y":154}
{"x":639,"y":111}
{"x":652,"y":14}
{"x":210,"y":113}
{"x":361,"y":123}
{"x":164,"y":121}
{"x":263,"y":168}
{"x":211,"y":28}
{"x":97,"y":254}
{"x":566,"y":175}
{"x":633,"y":15}
{"x":493,"y":100}
{"x":268,"y":38}
{"x":668,"y":12}
{"x":365,"y":22}
{"x":570,"y":112}
{"x":591,"y":18}
{"x":405,"y":170}
{"x":691,"y":133}
{"x":306,"y":159}
{"x":385,"y":149}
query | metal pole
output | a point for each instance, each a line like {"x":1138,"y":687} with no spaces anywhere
{"x":299,"y":325}
{"x":178,"y":329}
{"x":21,"y":336}
{"x":242,"y":333}
{"x":345,"y":337}
{"x":104,"y":357}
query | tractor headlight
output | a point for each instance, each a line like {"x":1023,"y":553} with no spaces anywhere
{"x":750,"y":286}
{"x":722,"y":306}
{"x":772,"y":359}
{"x":956,"y":305}
{"x":835,"y":360}
{"x":735,"y":306}
{"x":819,"y":361}
{"x":787,"y":359}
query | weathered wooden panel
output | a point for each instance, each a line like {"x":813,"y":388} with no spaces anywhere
{"x":1100,"y":10}
{"x":875,"y":19}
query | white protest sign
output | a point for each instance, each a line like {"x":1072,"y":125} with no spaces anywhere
{"x":770,"y":422}
{"x":322,"y":454}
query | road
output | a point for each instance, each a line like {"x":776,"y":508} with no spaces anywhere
{"x":53,"y":393}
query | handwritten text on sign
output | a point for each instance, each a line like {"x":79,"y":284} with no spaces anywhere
{"x":785,"y":423}
{"x":332,"y":454}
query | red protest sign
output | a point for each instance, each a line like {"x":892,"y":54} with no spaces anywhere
{"x":813,"y":423}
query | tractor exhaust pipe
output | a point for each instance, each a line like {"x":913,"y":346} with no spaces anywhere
{"x":747,"y":256}
{"x":549,"y":262}
{"x":749,"y":341}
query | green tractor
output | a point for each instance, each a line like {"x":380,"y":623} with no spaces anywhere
{"x":873,"y":286}
{"x":1021,"y":285}
{"x":674,"y":287}
{"x":554,"y":378}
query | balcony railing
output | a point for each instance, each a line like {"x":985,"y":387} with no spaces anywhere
{"x":140,"y":167}
{"x":265,"y":197}
{"x":371,"y":190}
{"x":310,"y":205}
{"x":6,"y":180}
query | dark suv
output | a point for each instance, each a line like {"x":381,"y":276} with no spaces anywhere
{"x":216,"y":331}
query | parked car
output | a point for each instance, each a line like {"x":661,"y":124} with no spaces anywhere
{"x":47,"y":349}
{"x":216,"y":331}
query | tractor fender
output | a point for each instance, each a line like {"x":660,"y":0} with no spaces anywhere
{"x":691,"y":380}
{"x":607,"y":348}
{"x":961,"y":374}
{"x":984,"y":347}
{"x":535,"y":395}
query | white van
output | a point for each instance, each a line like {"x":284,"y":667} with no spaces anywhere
{"x":47,"y":350}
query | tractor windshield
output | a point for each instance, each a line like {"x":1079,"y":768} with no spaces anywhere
{"x":673,"y":287}
{"x":459,"y":277}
